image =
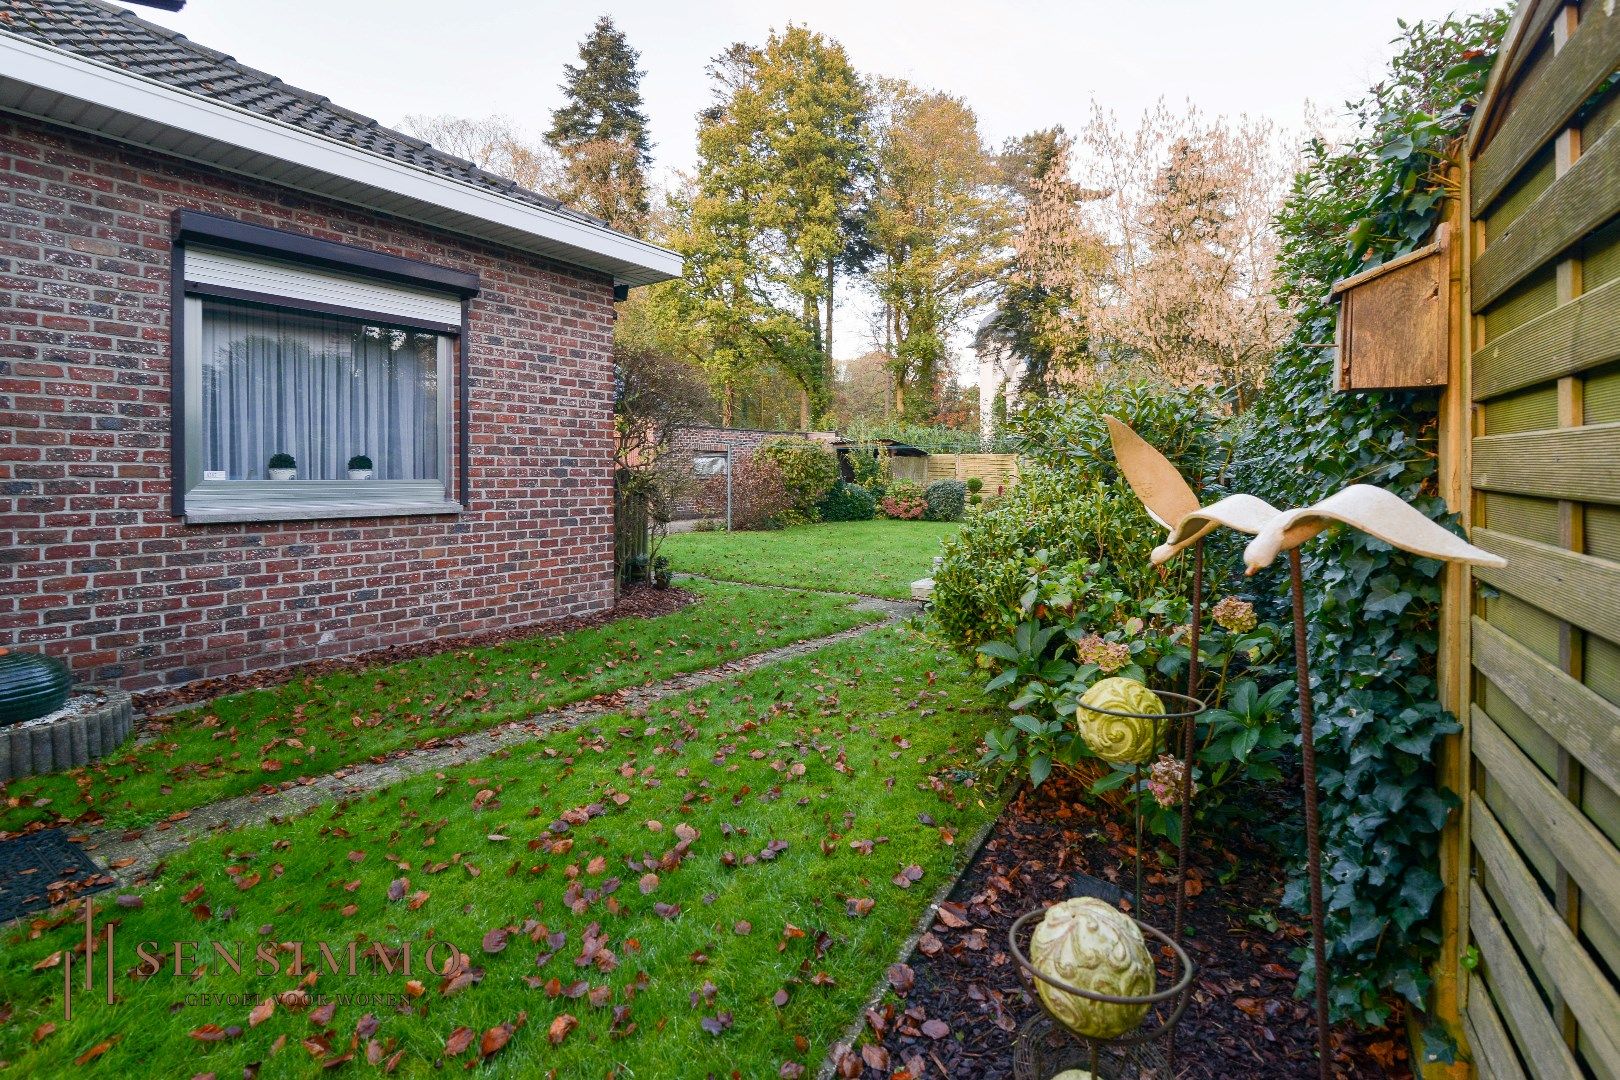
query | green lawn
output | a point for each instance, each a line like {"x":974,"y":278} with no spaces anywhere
{"x":312,"y":726}
{"x":880,"y":557}
{"x":706,"y":890}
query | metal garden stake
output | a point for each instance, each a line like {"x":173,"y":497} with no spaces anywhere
{"x":1387,"y":517}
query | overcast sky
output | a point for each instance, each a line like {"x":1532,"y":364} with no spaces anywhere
{"x":1022,"y":65}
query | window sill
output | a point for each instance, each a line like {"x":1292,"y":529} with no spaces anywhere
{"x":318,"y":510}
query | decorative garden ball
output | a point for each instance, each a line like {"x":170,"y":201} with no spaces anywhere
{"x":1074,"y":1074}
{"x":1120,"y":739}
{"x":1090,"y":945}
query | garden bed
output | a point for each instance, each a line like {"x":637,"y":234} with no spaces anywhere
{"x":1243,"y":1019}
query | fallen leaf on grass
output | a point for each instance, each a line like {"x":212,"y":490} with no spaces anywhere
{"x":96,"y":1051}
{"x":560,"y":1027}
{"x":902,"y":978}
{"x":459,"y":1040}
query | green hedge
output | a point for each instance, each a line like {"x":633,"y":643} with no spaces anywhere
{"x":1372,"y":611}
{"x":848,"y":502}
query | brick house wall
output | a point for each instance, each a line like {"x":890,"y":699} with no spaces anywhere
{"x":92,"y":566}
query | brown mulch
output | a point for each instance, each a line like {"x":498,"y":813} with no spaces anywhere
{"x":635,"y":602}
{"x":1242,"y":1020}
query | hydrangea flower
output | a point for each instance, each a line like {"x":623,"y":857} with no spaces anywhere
{"x":1235,"y":615}
{"x":1164,"y":781}
{"x":1109,"y":656}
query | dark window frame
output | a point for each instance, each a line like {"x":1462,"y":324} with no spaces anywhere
{"x":213,"y":230}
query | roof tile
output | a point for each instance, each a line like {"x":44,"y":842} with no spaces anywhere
{"x":111,"y":35}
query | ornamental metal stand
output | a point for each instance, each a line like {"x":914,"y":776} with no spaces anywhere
{"x":1045,"y":1046}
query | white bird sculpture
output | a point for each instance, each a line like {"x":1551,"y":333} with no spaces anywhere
{"x":1374,"y":511}
{"x":1170,"y":501}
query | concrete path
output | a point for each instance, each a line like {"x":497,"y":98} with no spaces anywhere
{"x":156,"y":843}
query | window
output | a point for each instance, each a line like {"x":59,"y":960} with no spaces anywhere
{"x":313,"y":393}
{"x":709,"y":463}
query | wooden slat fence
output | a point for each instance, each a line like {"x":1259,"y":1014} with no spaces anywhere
{"x":1536,"y":884}
{"x":631,"y":537}
{"x":996,"y":470}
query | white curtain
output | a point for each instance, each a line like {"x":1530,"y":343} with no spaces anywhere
{"x":320,"y":388}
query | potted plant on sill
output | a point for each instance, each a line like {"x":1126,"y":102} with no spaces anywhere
{"x":282,"y":467}
{"x":360,"y":467}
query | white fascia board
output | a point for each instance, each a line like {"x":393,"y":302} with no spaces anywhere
{"x":596,"y":247}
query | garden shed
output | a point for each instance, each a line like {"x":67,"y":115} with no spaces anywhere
{"x":906,"y":462}
{"x":1530,"y":437}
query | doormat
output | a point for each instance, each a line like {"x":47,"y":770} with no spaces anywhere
{"x":41,"y":869}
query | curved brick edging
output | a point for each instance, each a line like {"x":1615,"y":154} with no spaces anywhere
{"x":30,"y":749}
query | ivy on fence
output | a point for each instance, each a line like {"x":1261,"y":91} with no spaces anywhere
{"x":1372,"y":611}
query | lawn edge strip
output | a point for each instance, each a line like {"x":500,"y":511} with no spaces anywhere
{"x":109,"y":845}
{"x":908,"y":948}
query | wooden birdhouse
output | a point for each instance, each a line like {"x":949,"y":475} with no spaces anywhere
{"x":1394,"y":326}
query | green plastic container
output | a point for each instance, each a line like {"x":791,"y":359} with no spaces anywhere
{"x":31,"y":684}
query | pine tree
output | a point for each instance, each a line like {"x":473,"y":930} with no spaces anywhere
{"x":601,"y":131}
{"x":1041,"y":311}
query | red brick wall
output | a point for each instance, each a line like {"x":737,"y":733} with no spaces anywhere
{"x":92,"y":566}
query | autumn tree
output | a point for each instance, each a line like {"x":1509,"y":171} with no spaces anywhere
{"x":1041,"y":312}
{"x":768,"y":221}
{"x":864,"y":389}
{"x":937,"y":228}
{"x":1189,"y":292}
{"x":600,"y":132}
{"x":493,"y":143}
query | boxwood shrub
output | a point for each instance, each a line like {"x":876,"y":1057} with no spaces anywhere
{"x":848,"y":502}
{"x":946,"y":499}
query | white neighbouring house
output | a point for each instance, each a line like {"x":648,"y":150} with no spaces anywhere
{"x":999,"y":370}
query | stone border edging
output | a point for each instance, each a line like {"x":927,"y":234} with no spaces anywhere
{"x":33,"y":749}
